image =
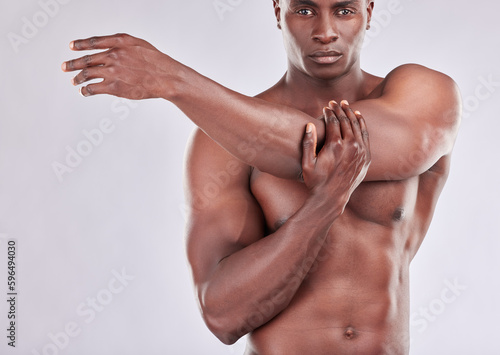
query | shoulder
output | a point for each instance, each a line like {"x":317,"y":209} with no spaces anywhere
{"x":413,"y":119}
{"x":200,"y":147}
{"x":204,"y":154}
{"x":210,"y":171}
{"x":424,"y":91}
{"x":421,"y":81}
{"x":275,"y":94}
{"x":414,"y":71}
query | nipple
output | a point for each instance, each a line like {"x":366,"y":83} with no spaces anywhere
{"x":398,"y":214}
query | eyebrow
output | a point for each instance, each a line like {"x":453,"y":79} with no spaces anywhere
{"x":303,"y":2}
{"x":313,"y":4}
{"x":346,"y":3}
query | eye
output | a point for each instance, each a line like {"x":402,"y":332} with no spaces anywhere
{"x":345,"y":12}
{"x":304,"y":12}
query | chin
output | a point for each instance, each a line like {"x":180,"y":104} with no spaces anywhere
{"x":327,"y":73}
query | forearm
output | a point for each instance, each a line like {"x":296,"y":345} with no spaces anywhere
{"x":253,"y":285}
{"x":243,"y":125}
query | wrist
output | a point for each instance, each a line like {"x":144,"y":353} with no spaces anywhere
{"x":175,"y":82}
{"x":326,"y":205}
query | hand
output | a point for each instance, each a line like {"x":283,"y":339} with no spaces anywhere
{"x":131,"y":67}
{"x":343,"y":161}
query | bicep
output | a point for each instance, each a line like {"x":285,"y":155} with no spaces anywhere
{"x":412,"y":125}
{"x":400,"y":147}
{"x":223,"y":215}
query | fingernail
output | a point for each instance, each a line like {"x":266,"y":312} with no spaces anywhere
{"x":357,"y":113}
{"x":72,"y":44}
{"x":309,"y":128}
{"x":344,"y":102}
{"x":63,"y":66}
{"x":333,"y":102}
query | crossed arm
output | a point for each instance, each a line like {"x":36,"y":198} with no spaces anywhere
{"x":242,"y":279}
{"x":412,"y":123}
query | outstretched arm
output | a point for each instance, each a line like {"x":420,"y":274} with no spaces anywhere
{"x":412,"y":124}
{"x":134,"y":69}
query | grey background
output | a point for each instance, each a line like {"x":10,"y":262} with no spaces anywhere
{"x":122,"y":207}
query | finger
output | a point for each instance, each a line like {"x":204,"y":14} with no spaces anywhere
{"x":105,"y":42}
{"x":95,"y":89}
{"x":85,"y":61}
{"x":96,"y":42}
{"x":356,"y":130}
{"x":100,"y":42}
{"x":89,"y":74}
{"x":345,"y":123}
{"x":332,"y":126}
{"x":309,"y":143}
{"x":363,"y":128}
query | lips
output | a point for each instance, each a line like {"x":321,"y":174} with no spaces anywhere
{"x":325,"y":57}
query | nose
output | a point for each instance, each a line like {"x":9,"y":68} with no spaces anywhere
{"x":325,"y":30}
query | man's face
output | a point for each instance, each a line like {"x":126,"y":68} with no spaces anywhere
{"x":323,"y":38}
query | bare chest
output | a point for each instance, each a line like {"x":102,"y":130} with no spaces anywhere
{"x":386,"y":202}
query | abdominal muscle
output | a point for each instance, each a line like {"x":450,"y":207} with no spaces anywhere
{"x":353,"y":301}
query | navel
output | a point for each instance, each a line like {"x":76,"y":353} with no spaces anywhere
{"x":349,"y":333}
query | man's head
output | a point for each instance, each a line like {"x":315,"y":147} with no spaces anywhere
{"x":323,"y":38}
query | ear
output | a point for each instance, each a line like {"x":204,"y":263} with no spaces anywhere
{"x":277,"y":12}
{"x":369,"y":10}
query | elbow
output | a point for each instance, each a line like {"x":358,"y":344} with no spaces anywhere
{"x":223,"y":327}
{"x":222,"y":320}
{"x":226,"y":320}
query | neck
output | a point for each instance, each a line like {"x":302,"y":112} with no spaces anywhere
{"x":310,"y":94}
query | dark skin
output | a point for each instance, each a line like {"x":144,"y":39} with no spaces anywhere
{"x":309,"y":253}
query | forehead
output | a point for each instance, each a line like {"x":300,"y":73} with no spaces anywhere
{"x":331,"y":3}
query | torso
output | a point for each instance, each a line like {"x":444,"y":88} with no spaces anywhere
{"x":355,"y":299}
{"x":356,"y":296}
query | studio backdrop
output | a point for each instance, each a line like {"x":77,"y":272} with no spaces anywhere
{"x":92,"y":211}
